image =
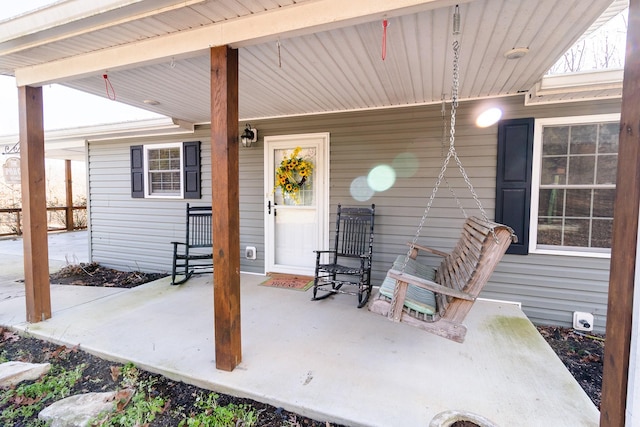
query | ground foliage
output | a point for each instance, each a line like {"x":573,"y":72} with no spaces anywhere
{"x":173,"y":402}
{"x":582,"y":355}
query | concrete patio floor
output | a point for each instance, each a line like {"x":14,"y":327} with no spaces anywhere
{"x":324,"y":359}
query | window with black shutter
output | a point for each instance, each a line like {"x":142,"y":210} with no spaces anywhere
{"x":170,"y":170}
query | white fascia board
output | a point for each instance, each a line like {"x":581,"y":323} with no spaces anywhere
{"x":56,"y":15}
{"x":304,"y":18}
{"x":584,"y":79}
{"x":579,"y":84}
{"x":139,"y":128}
{"x":61,"y":27}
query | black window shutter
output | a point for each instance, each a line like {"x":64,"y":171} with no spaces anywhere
{"x":191,"y":159}
{"x":513,"y":181}
{"x":137,"y":171}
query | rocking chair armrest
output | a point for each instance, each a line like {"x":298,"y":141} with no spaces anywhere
{"x":426,"y":249}
{"x":428,"y":284}
{"x":178,"y":243}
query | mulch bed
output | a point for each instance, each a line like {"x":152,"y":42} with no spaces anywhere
{"x":582,"y":355}
{"x":94,"y":274}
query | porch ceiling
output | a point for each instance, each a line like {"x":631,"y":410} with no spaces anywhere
{"x":296,"y":56}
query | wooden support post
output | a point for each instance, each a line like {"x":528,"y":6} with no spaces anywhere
{"x":226,"y":206}
{"x":69,"y":194}
{"x":625,"y":234}
{"x":34,"y":206}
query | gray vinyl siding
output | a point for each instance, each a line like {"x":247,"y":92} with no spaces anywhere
{"x":130,"y":233}
{"x":134,"y":233}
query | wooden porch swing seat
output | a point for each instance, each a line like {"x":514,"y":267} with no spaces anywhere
{"x":195,"y":254}
{"x":438,"y":300}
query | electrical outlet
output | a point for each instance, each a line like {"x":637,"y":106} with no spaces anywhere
{"x":250,"y":252}
{"x":582,"y":321}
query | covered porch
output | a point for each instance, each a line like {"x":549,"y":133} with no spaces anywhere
{"x":325,"y":359}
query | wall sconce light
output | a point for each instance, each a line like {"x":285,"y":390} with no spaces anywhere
{"x":249,"y":136}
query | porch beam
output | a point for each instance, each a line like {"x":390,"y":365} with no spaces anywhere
{"x":296,"y":20}
{"x":225,"y":206}
{"x":625,"y":237}
{"x":34,"y":207}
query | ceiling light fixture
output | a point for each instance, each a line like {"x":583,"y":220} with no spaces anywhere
{"x":151,"y":102}
{"x":516,"y":53}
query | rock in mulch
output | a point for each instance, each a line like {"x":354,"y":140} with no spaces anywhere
{"x":12,"y":373}
{"x":77,"y":411}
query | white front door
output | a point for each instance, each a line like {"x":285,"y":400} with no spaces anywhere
{"x":296,"y":201}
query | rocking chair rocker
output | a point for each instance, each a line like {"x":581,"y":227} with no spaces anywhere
{"x":350,"y":259}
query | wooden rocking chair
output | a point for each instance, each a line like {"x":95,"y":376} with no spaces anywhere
{"x":438,"y":300}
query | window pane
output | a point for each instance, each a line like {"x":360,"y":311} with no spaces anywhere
{"x":550,"y":232}
{"x":607,"y":168}
{"x":551,"y":202}
{"x":576,"y":232}
{"x":554,"y":170}
{"x":609,"y":138}
{"x":555,"y":140}
{"x":583,"y":139}
{"x":581,"y":169}
{"x":164,"y":171}
{"x":601,"y":232}
{"x":583,"y":156}
{"x":603,"y":203}
{"x":578,"y":203}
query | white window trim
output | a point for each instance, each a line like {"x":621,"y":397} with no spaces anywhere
{"x":147,"y":180}
{"x":535,"y":183}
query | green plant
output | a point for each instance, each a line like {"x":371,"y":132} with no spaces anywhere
{"x":23,"y":402}
{"x":136,"y":409}
{"x":213,"y":415}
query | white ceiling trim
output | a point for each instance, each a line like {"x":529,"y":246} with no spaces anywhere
{"x":57,"y":14}
{"x":305,"y":18}
{"x":78,"y":30}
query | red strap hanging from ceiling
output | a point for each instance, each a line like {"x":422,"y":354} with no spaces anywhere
{"x":385,"y":24}
{"x":111,"y":93}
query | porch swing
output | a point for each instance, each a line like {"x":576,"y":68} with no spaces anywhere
{"x":437,"y":300}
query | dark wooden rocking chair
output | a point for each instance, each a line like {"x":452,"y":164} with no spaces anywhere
{"x":438,"y":300}
{"x":196,"y":255}
{"x":350,"y":258}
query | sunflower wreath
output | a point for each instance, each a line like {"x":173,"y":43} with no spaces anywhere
{"x":292,"y":174}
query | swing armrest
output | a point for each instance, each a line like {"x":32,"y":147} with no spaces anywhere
{"x":428,"y":284}
{"x":414,"y":253}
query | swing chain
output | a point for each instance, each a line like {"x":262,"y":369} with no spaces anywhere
{"x":450,"y":153}
{"x":443,"y":169}
{"x":443,"y":112}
